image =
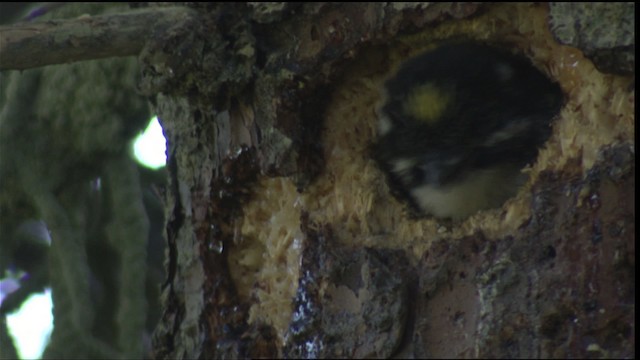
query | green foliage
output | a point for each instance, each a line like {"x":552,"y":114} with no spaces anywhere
{"x":64,"y":158}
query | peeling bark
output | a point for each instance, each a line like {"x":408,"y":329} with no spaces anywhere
{"x":246,"y":105}
{"x":284,"y":240}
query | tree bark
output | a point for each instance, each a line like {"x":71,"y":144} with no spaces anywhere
{"x":284,"y":239}
{"x":31,"y":45}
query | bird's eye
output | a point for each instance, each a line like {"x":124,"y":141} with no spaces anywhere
{"x":417,"y":175}
{"x":459,"y":122}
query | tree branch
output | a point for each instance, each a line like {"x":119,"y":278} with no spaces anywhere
{"x":29,"y":45}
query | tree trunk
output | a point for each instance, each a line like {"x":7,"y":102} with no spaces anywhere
{"x":284,"y":240}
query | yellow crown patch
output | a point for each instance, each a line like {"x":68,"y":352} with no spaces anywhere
{"x":426,"y":103}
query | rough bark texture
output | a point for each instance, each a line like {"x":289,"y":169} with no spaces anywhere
{"x":283,"y":238}
{"x":560,"y":287}
{"x":604,"y":32}
{"x":244,"y":92}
